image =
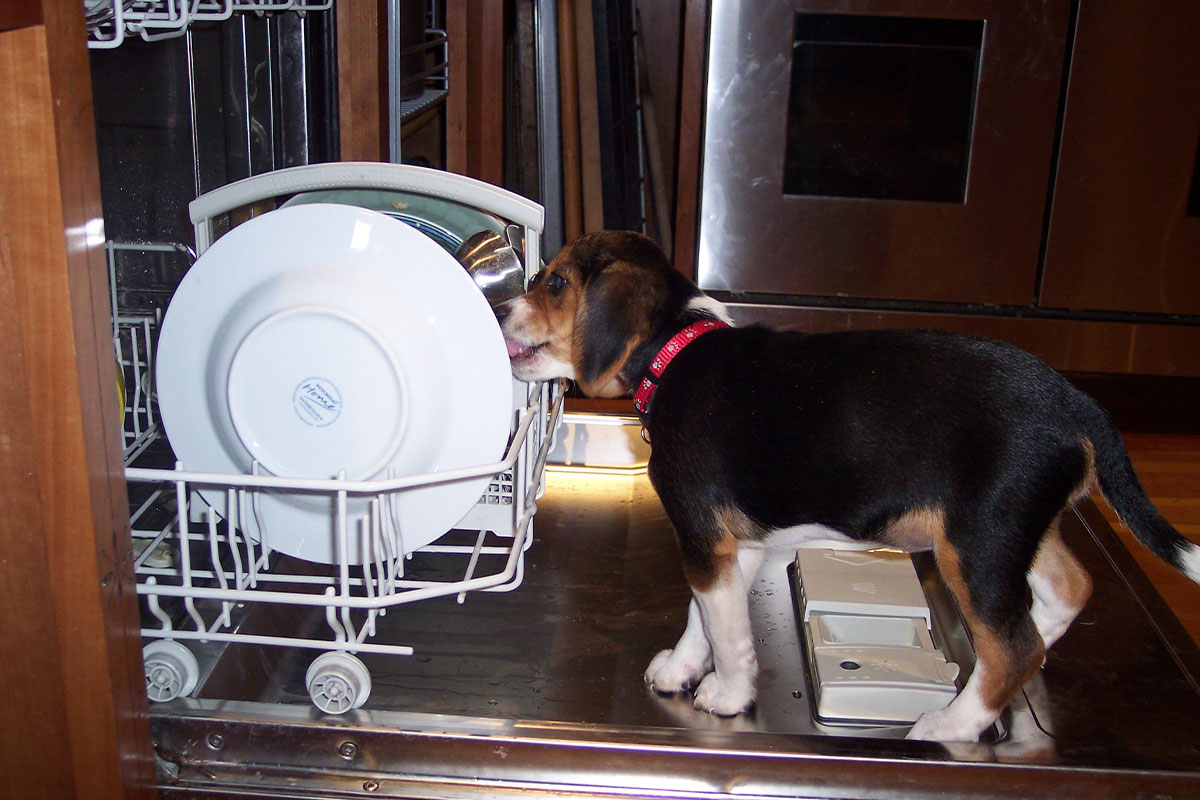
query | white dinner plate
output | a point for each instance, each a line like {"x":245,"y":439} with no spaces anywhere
{"x":324,"y":338}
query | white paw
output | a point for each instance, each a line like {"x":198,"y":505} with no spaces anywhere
{"x":723,"y":696}
{"x":670,"y":673}
{"x":942,"y":726}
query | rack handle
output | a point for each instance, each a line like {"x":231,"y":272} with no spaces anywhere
{"x":362,"y":175}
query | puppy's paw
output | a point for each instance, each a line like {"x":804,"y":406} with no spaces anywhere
{"x":669,"y":672}
{"x":723,"y":696}
{"x":944,"y":726}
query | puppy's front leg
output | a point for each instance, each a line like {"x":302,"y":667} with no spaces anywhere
{"x":724,"y":609}
{"x":682,"y":668}
{"x":717,"y":644}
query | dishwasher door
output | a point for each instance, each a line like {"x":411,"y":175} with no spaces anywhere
{"x":540,"y":691}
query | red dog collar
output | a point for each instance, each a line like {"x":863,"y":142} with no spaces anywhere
{"x":641,"y":400}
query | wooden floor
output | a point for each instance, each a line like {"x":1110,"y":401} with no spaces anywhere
{"x":1169,"y":468}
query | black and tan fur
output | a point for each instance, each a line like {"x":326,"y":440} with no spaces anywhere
{"x":919,"y":440}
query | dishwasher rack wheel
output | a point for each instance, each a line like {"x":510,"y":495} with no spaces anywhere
{"x":171,"y":670}
{"x":337,"y":682}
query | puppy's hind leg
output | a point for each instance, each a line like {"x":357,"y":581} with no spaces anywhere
{"x":1008,"y":648}
{"x":1060,"y":587}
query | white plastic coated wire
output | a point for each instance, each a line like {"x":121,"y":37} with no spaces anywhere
{"x":238,"y":570}
{"x":199,"y":572}
{"x":111,"y":21}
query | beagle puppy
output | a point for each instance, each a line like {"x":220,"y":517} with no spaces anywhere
{"x":916,"y":440}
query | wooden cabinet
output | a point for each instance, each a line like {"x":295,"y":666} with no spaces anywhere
{"x":74,"y":721}
{"x":1124,"y":231}
{"x":474,"y":124}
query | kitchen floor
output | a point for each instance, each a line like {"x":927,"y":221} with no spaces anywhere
{"x":1169,"y":468}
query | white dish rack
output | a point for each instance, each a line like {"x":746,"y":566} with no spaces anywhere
{"x":199,"y":575}
{"x":110,"y":21}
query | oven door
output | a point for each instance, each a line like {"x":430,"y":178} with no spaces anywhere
{"x":882,"y":149}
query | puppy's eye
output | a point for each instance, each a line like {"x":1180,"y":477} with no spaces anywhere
{"x":555,"y":283}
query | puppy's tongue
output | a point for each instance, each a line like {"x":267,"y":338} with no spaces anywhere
{"x":516,"y":348}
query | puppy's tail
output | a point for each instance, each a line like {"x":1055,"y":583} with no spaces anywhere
{"x":1125,"y":494}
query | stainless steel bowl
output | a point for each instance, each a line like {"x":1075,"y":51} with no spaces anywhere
{"x":494,"y":262}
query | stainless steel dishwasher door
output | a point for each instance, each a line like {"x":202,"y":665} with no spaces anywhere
{"x":541,"y":689}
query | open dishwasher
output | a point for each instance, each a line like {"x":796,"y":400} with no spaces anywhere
{"x":511,"y":662}
{"x":492,"y":661}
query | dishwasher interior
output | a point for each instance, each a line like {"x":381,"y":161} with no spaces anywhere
{"x":534,"y":682}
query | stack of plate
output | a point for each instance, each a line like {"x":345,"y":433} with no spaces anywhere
{"x":321,"y":339}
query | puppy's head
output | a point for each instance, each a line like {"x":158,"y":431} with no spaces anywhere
{"x":590,"y":308}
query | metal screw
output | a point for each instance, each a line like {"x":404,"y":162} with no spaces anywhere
{"x":216,"y":741}
{"x":348,"y":751}
{"x":370,"y":786}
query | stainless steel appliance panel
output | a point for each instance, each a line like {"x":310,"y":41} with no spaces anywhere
{"x":979,"y":246}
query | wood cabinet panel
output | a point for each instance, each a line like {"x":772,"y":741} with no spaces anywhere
{"x":33,"y":720}
{"x":77,"y":602}
{"x":1066,"y":344}
{"x":474,"y":127}
{"x":362,"y":80}
{"x":1120,"y":236}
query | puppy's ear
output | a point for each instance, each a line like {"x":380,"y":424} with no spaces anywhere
{"x":618,"y":307}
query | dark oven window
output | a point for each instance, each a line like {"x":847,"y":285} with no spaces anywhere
{"x":881,"y":107}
